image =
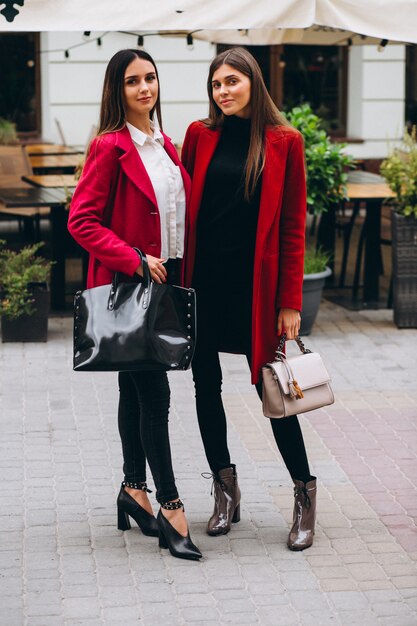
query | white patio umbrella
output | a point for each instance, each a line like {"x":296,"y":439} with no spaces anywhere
{"x":231,"y":21}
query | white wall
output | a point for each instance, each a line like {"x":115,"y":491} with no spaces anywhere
{"x":71,"y":88}
{"x":376,"y":99}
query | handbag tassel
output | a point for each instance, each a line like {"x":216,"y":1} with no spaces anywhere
{"x":295,"y":391}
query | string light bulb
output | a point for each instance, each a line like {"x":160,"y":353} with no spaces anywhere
{"x":382,"y":45}
{"x":67,"y":54}
{"x":141,"y":42}
{"x":190,"y":42}
{"x":86,"y":34}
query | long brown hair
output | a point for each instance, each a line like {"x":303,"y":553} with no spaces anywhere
{"x":263,"y":110}
{"x":112,"y":111}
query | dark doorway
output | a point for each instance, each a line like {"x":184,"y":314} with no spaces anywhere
{"x":20,"y":81}
{"x":411,"y":86}
{"x":317,"y":75}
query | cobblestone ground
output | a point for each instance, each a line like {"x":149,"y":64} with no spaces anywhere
{"x":63,"y":562}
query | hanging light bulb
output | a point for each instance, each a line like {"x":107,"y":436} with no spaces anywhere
{"x":382,"y":45}
{"x":86,"y":34}
{"x":141,"y":42}
{"x":190,"y":42}
{"x":67,"y":54}
{"x":99,"y":41}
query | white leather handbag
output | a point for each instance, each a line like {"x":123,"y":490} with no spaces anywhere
{"x":296,"y":384}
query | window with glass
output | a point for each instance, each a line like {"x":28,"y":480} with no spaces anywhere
{"x":20,"y":81}
{"x":317,"y":75}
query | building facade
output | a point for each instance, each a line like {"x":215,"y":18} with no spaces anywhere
{"x":362,"y":90}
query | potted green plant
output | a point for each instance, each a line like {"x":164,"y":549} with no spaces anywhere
{"x":8,"y":134}
{"x":400,"y":172}
{"x":327,"y":167}
{"x":24,"y":294}
{"x":316,"y":270}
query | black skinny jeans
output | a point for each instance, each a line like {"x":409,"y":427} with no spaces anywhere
{"x":143,"y":424}
{"x":207,"y":376}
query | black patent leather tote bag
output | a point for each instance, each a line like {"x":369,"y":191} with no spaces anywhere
{"x":134,"y":326}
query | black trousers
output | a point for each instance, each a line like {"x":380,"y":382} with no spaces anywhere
{"x":226,"y":321}
{"x":144,"y":399}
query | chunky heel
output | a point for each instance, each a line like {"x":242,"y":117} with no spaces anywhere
{"x":127,"y":508}
{"x":236,"y":515}
{"x":123,"y":521}
{"x":162,"y":541}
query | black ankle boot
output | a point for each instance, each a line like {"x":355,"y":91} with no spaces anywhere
{"x":126,"y":505}
{"x":179,"y":546}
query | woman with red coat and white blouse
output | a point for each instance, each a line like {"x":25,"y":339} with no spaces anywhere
{"x":133,"y":193}
{"x":244,"y":255}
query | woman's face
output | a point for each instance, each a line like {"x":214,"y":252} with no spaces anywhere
{"x":140,"y":89}
{"x":231,"y":91}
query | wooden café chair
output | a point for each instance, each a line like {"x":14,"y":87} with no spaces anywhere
{"x":14,"y":163}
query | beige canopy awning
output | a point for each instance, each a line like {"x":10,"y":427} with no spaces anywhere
{"x":231,"y":21}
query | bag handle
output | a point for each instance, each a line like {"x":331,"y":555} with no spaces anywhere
{"x":147,"y":280}
{"x":281,"y":344}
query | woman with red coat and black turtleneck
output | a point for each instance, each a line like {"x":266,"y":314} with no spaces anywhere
{"x":244,"y":255}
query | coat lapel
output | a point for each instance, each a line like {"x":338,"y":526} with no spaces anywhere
{"x":207,"y":144}
{"x":133,"y":167}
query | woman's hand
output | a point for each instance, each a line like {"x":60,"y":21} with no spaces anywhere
{"x":289,"y":322}
{"x":157,"y":269}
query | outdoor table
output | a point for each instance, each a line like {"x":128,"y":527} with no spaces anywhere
{"x":36,"y":149}
{"x":56,"y":200}
{"x":51,"y":180}
{"x":64,"y":163}
{"x":372,"y":190}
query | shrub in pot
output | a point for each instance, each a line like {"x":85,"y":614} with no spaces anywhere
{"x":24,"y":294}
{"x":316,"y":271}
{"x":327,"y":166}
{"x":400,"y":172}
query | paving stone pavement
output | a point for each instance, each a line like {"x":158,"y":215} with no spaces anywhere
{"x":64,"y":563}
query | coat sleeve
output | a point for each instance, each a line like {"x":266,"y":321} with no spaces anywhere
{"x":90,"y":204}
{"x":292,"y":229}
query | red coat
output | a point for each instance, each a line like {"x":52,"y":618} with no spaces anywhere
{"x":280,"y":236}
{"x":114,"y":207}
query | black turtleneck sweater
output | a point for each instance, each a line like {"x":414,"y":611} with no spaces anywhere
{"x":226,"y":235}
{"x":226,"y":229}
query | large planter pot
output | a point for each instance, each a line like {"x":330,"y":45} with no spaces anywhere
{"x":29,"y":328}
{"x":312,"y":291}
{"x":404,"y":270}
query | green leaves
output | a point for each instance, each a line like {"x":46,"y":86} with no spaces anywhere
{"x":17,"y":271}
{"x":400,"y":172}
{"x":326,"y":162}
{"x":315,"y":261}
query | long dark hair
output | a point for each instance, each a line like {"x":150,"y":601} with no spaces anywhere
{"x":112,"y":111}
{"x":263,"y":110}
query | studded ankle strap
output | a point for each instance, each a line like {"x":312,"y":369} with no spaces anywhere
{"x":172,"y":506}
{"x":132,"y":485}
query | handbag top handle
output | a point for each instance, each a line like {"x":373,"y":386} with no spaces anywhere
{"x":281,"y":344}
{"x":147,"y":280}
